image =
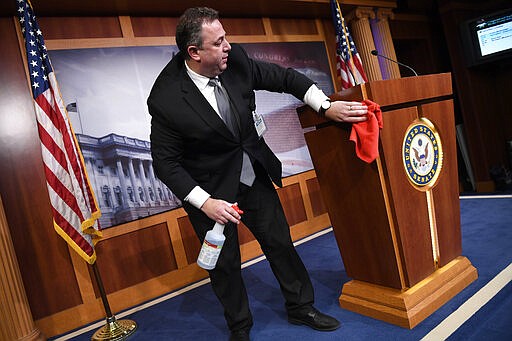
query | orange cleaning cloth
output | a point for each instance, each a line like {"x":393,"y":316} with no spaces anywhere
{"x":366,"y":134}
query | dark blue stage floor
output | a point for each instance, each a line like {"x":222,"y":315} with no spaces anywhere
{"x":487,"y":243}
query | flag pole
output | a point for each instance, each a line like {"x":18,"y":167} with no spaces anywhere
{"x":351,"y":63}
{"x":113,"y":330}
{"x":79,"y":117}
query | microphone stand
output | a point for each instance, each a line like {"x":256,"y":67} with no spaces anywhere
{"x":375,"y":53}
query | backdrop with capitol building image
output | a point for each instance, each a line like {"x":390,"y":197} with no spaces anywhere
{"x":106,"y":89}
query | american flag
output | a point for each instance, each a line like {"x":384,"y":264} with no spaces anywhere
{"x":74,"y":207}
{"x":348,"y":63}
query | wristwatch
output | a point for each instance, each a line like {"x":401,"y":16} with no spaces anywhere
{"x":324,"y":107}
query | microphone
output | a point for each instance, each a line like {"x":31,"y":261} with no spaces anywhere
{"x":376,"y":53}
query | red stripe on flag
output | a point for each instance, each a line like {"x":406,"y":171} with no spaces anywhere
{"x":52,"y":146}
{"x":359,"y":67}
{"x":346,"y":80}
{"x":63,"y":193}
{"x":77,"y":238}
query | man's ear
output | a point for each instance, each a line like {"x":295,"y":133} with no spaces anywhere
{"x":193,"y":52}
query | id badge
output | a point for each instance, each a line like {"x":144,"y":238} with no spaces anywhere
{"x":259,"y":124}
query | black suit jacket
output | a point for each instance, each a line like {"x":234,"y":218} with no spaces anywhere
{"x":190,"y":144}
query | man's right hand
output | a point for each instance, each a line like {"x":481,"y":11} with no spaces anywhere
{"x":220,"y":211}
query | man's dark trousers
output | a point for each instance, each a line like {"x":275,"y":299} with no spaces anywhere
{"x":264,"y":216}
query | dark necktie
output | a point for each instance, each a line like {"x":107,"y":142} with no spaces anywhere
{"x":224,"y":106}
{"x":247,"y":175}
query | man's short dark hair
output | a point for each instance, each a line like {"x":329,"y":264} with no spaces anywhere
{"x":188,"y":30}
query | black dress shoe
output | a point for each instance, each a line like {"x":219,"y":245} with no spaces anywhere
{"x":314,"y":319}
{"x":239,"y":335}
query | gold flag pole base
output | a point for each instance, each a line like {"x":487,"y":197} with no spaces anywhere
{"x":115,"y":330}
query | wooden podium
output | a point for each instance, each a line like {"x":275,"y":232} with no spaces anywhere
{"x":396,"y":220}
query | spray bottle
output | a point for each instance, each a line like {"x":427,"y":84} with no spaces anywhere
{"x":212,"y":245}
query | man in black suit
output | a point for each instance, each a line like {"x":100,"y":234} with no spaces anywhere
{"x":210,"y":163}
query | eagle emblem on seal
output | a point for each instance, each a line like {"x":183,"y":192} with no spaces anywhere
{"x":422,"y":153}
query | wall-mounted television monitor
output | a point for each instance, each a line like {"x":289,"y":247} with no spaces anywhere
{"x":488,"y":38}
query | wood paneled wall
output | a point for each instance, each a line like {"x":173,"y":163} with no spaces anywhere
{"x":431,"y":43}
{"x":142,"y":259}
{"x":483,"y":93}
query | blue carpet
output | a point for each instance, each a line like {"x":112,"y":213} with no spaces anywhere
{"x":197,"y":315}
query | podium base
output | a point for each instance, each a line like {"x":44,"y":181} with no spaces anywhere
{"x":407,"y":308}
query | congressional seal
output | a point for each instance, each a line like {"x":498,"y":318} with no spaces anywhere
{"x":422,"y":154}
